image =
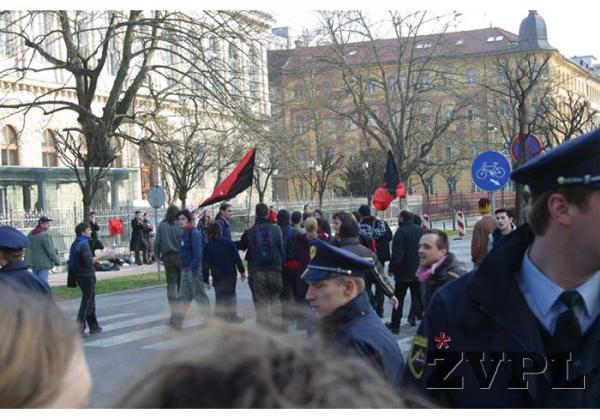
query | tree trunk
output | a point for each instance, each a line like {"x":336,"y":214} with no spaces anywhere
{"x":261,"y":196}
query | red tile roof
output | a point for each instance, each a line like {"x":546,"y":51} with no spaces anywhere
{"x":474,"y":42}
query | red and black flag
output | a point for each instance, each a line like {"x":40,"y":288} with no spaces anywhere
{"x":391,"y":187}
{"x":236,"y":182}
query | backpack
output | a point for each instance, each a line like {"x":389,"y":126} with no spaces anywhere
{"x":287,"y":235}
{"x":265,"y":252}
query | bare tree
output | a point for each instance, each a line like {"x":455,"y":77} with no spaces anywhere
{"x":364,"y":172}
{"x":521,"y":85}
{"x":111,"y":59}
{"x":394,"y":90}
{"x":566,"y":115}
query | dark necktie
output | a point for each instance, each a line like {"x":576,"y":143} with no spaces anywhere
{"x":567,"y":334}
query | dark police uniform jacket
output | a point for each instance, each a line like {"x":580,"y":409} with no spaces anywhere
{"x":16,"y":273}
{"x":355,"y":327}
{"x":485,"y":311}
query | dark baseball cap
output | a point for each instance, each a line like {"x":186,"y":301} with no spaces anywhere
{"x":44,"y":219}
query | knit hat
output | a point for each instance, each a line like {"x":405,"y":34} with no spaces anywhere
{"x":484,"y":205}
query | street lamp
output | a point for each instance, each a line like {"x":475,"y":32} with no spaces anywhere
{"x":365,"y":166}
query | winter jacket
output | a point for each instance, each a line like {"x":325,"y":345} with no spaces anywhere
{"x":41,"y":253}
{"x":81,"y":264}
{"x":355,"y":329}
{"x":221,"y":257}
{"x":496,"y":357}
{"x":15,"y":274}
{"x":247,"y":242}
{"x":138,"y":240}
{"x":450,"y":269}
{"x":479,"y":242}
{"x":167,"y":238}
{"x":225,"y":227}
{"x":191,"y":250}
{"x":405,"y":247}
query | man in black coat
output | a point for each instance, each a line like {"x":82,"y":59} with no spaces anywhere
{"x":523,"y":330}
{"x":138,"y":243}
{"x":403,"y":265}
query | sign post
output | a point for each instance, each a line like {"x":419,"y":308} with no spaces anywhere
{"x":156,"y":198}
{"x":490,"y":172}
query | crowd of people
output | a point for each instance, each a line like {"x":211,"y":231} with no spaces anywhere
{"x":528,"y":311}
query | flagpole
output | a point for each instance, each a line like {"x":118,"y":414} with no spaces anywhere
{"x":249,"y":204}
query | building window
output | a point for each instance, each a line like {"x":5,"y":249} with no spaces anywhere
{"x":214,"y":46}
{"x":449,"y":153}
{"x":448,"y":79}
{"x":422,"y":45}
{"x":495,"y":38}
{"x":471,"y":112}
{"x":471,"y":76}
{"x":502,"y":75}
{"x":429,"y":186}
{"x":474,"y":149}
{"x":424,"y":81}
{"x":301,"y":155}
{"x":6,"y":39}
{"x":459,"y":42}
{"x":372,"y":87}
{"x":300,"y":124}
{"x":403,"y":82}
{"x":298,"y":93}
{"x":49,"y":154}
{"x":9,"y":147}
{"x":329,"y":125}
{"x":348,"y":124}
{"x":452,"y":185}
{"x":391,"y":83}
{"x":448,"y":112}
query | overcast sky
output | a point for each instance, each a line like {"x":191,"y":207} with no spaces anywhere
{"x":572,"y":25}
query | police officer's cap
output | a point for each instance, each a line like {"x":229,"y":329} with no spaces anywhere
{"x":329,"y":262}
{"x":12,"y":240}
{"x":574,"y":163}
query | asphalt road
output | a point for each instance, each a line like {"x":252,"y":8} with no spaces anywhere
{"x":136,"y":339}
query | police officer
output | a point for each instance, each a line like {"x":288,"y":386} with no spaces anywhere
{"x":523,"y":330}
{"x":336,"y":293}
{"x":14,"y":271}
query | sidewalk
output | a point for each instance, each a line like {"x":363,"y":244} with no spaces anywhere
{"x":60,"y":279}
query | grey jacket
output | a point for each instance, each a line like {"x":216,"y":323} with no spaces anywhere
{"x":167,"y":238}
{"x":41,"y":253}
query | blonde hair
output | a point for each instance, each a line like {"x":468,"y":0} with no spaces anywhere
{"x":37,"y":345}
{"x":359,"y":282}
{"x":311,"y":225}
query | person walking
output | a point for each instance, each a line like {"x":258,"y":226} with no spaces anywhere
{"x":138,"y":242}
{"x":481,"y":232}
{"x":403,"y":265}
{"x":289,"y":266}
{"x":193,"y":287}
{"x":504,"y":220}
{"x":224,"y":219}
{"x":437,"y":265}
{"x":265,"y":256}
{"x":41,"y":254}
{"x":220,"y":258}
{"x":82,"y":274}
{"x":166,"y":249}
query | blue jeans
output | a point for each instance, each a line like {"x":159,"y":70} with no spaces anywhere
{"x":42,"y":274}
{"x":191,"y":288}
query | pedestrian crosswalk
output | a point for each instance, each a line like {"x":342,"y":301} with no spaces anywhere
{"x":150,"y":332}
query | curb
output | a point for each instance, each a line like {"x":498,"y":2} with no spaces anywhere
{"x":114,"y":293}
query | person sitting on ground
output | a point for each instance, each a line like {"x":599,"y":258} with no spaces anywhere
{"x":42,"y":360}
{"x":229,"y":366}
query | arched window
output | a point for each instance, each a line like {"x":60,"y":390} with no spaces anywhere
{"x":9,"y":146}
{"x":117,"y":149}
{"x":49,"y":155}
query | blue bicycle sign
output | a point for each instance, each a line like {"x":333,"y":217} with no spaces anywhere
{"x":490,"y":171}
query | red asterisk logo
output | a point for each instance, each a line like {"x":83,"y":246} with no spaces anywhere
{"x":442,"y":341}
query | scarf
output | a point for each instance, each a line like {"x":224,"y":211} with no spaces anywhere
{"x":39,"y":229}
{"x":424,"y":273}
{"x":75,"y":248}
